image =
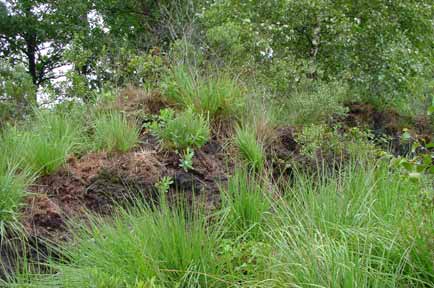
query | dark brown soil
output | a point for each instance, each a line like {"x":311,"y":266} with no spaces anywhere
{"x":97,"y":182}
{"x":389,"y":123}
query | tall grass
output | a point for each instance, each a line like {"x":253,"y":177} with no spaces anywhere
{"x":13,"y":185}
{"x":359,"y":227}
{"x":140,"y":247}
{"x":44,"y":143}
{"x":246,"y":204}
{"x":250,"y":149}
{"x":113,"y":132}
{"x":218,"y":96}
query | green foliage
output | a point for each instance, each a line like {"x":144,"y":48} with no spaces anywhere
{"x":17,"y":92}
{"x":44,"y":143}
{"x":163,"y":184}
{"x":319,"y":140}
{"x":50,"y":140}
{"x":380,"y":55}
{"x":218,"y":96}
{"x":360,"y":226}
{"x":184,"y":130}
{"x":13,"y":185}
{"x":251,"y":150}
{"x":113,"y":132}
{"x":311,"y":102}
{"x":246,"y":204}
{"x":168,"y":247}
{"x":186,"y":161}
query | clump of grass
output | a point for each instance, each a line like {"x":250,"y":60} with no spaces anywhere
{"x":113,"y":132}
{"x":250,"y":149}
{"x":49,"y":142}
{"x":359,"y":226}
{"x":43,"y":144}
{"x":218,"y":96}
{"x":13,"y":185}
{"x":246,"y":204}
{"x":187,"y":129}
{"x":141,"y":247}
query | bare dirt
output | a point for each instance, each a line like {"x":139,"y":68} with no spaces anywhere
{"x":97,"y":182}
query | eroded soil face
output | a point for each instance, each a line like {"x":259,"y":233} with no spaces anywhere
{"x":97,"y":182}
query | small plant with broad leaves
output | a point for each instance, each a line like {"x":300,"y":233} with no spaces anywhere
{"x":421,"y":158}
{"x":164,"y":184}
{"x":186,"y":161}
{"x":185,"y":130}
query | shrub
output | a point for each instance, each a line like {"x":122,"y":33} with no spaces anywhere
{"x":251,"y":150}
{"x":381,"y":56}
{"x":218,"y":96}
{"x":17,"y":92}
{"x":185,"y":130}
{"x":113,"y":132}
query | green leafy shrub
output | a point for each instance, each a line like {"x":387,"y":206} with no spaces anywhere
{"x":218,"y":96}
{"x":17,"y":92}
{"x":184,"y":130}
{"x":113,"y":132}
{"x":250,"y":149}
{"x":380,"y":56}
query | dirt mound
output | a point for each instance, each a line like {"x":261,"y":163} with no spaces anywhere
{"x":388,"y":123}
{"x":97,"y":181}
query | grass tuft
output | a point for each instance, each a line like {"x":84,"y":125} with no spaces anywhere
{"x":113,"y":132}
{"x":250,"y":149}
{"x":219,"y":96}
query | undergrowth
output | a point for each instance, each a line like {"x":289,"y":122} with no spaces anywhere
{"x":113,"y":132}
{"x":360,"y":226}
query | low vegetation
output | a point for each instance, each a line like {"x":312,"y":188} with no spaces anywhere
{"x":224,"y":143}
{"x":217,"y":96}
{"x":113,"y":132}
{"x":250,"y":149}
{"x":181,"y":131}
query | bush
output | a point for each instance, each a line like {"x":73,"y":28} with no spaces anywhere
{"x":17,"y":92}
{"x":113,"y":132}
{"x":185,"y":130}
{"x":251,"y":150}
{"x":218,"y":96}
{"x":380,"y":55}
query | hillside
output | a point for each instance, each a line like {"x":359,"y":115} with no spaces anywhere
{"x":222,"y":143}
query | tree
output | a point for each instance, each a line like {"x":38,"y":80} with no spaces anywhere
{"x":36,"y":32}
